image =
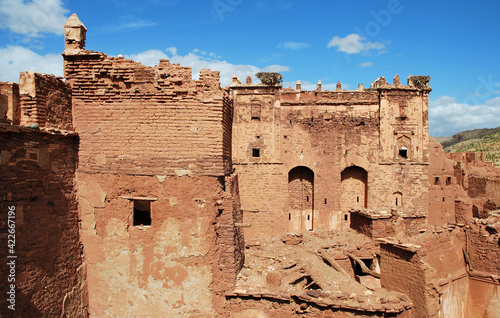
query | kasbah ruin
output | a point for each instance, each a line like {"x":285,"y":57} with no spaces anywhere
{"x":135,"y":191}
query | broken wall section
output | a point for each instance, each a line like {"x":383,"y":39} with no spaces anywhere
{"x":177,"y":264}
{"x":10,"y":111}
{"x":430,"y":269}
{"x":152,"y":120}
{"x":480,"y":179}
{"x":36,"y":179}
{"x":448,"y":201}
{"x":386,"y":223}
{"x":45,"y":101}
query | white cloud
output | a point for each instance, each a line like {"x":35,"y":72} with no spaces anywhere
{"x":171,"y":50}
{"x":354,"y":44}
{"x":33,"y":17}
{"x":447,"y":117}
{"x":16,"y":59}
{"x":294,"y":45}
{"x":199,"y":60}
{"x":149,"y":57}
{"x":366,"y":64}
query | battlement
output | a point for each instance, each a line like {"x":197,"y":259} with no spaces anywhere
{"x":136,"y":119}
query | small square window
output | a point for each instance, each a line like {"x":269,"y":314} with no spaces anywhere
{"x":448,"y":181}
{"x":142,"y":212}
{"x":255,"y":152}
{"x":403,"y":153}
{"x":436,"y":180}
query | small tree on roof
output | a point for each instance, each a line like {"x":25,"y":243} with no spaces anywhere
{"x":269,"y":78}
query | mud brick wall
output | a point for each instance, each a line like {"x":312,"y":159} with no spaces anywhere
{"x":329,"y":134}
{"x":9,"y":103}
{"x":37,"y":172}
{"x":261,"y":188}
{"x":433,"y":274}
{"x":230,"y":241}
{"x":484,"y":189}
{"x":170,"y":268}
{"x":401,"y":270}
{"x":444,"y":190}
{"x":45,"y":100}
{"x":484,"y":248}
{"x":134,"y":119}
{"x":390,"y":223}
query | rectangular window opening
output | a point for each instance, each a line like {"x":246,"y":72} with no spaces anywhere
{"x":325,"y":201}
{"x":255,"y":152}
{"x":346,"y":217}
{"x":403,"y":153}
{"x":142,"y":212}
{"x":436,"y":180}
{"x":307,"y":198}
{"x":289,"y":216}
{"x":308,"y":217}
{"x":448,"y":181}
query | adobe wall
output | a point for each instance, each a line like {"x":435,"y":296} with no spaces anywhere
{"x":484,"y":299}
{"x":45,"y":101}
{"x":430,"y":270}
{"x":152,"y":120}
{"x":483,"y":253}
{"x":10,"y":110}
{"x":448,"y":202}
{"x":480,"y":179}
{"x":169,"y":268}
{"x":386,"y":223}
{"x":37,"y":173}
{"x":160,"y":209}
{"x":483,"y":246}
{"x":340,"y":141}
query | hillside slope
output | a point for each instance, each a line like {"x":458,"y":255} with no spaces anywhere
{"x":467,"y":135}
{"x":489,"y":144}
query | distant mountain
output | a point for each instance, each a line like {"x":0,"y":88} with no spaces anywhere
{"x":477,"y":140}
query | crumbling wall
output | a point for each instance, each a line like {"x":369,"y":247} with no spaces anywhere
{"x":45,"y":101}
{"x":480,"y":179}
{"x":483,"y":246}
{"x":42,"y":232}
{"x":448,"y":202}
{"x":152,"y":120}
{"x":483,"y":262}
{"x":327,"y":132}
{"x":10,"y":110}
{"x":159,"y":207}
{"x":484,"y":189}
{"x":430,"y":269}
{"x":165,"y":268}
{"x":386,"y":223}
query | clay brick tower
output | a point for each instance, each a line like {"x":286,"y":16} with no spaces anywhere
{"x":74,"y":35}
{"x":153,"y":168}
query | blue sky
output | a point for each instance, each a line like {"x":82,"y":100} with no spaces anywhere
{"x":457,"y":43}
